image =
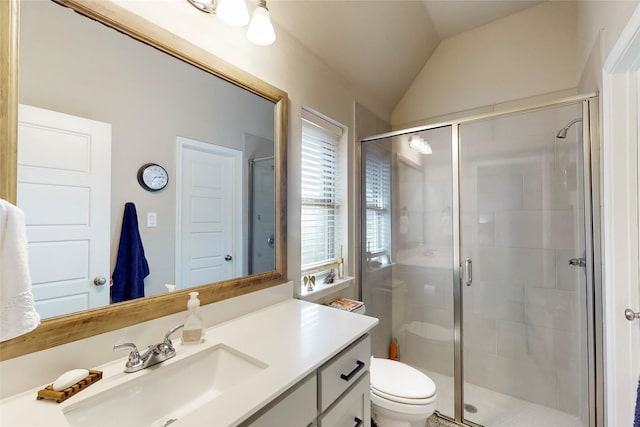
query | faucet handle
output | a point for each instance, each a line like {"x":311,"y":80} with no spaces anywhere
{"x":167,"y":337}
{"x":134,"y":357}
{"x":127,"y":346}
{"x":166,"y":348}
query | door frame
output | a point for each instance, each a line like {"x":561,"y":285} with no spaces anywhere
{"x":236,"y":156}
{"x":621,"y":234}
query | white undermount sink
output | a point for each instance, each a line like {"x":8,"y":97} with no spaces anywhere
{"x":167,"y":391}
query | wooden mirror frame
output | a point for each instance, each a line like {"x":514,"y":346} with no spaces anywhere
{"x":65,"y":329}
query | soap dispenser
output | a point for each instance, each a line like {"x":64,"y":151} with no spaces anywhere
{"x":193,"y":331}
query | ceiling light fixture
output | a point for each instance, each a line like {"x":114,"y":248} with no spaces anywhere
{"x":260,"y":29}
{"x":420,"y":144}
{"x":234,"y":13}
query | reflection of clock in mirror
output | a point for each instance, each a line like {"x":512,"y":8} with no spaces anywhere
{"x":152,"y":177}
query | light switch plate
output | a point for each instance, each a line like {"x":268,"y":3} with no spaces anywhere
{"x":152,"y":219}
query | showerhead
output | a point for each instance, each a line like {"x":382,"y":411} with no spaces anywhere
{"x":562,"y":133}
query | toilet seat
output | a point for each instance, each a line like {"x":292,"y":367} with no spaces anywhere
{"x":403,"y":400}
{"x":400,"y":383}
{"x":403,"y":408}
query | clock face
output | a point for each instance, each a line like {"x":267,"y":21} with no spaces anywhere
{"x":153,"y":177}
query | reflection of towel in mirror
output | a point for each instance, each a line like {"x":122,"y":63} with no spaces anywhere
{"x":131,"y":264}
{"x":17,"y":311}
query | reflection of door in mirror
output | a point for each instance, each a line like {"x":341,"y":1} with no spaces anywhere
{"x":262,"y":215}
{"x":64,"y":176}
{"x":209,"y":201}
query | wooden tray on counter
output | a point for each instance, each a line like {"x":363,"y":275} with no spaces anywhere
{"x":60,"y":396}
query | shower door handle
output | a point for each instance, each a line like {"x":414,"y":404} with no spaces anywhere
{"x":578,"y":262}
{"x":468,"y":272}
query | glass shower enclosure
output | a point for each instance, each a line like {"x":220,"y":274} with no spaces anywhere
{"x":477,"y":257}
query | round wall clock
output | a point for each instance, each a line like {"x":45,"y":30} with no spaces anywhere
{"x":152,"y":177}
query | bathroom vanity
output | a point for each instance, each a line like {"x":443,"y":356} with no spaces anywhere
{"x":337,"y":394}
{"x":296,"y":361}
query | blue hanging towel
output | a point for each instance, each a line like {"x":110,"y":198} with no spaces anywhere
{"x":131,"y":264}
{"x":636,"y":420}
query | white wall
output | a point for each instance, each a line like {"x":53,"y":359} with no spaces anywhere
{"x":593,"y":16}
{"x":526,"y":54}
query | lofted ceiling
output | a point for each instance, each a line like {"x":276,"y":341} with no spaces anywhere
{"x":379,"y":46}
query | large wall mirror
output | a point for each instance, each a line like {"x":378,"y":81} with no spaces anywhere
{"x":92,"y":102}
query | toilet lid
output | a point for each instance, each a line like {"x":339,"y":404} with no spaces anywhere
{"x":392,"y":378}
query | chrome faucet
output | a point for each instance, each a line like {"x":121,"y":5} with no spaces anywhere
{"x":153,"y":355}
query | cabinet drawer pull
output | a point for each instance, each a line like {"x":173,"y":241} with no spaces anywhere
{"x":352,"y":373}
{"x":358,"y":422}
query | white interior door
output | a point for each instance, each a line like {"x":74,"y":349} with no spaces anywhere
{"x":209,"y":193}
{"x":64,"y":188}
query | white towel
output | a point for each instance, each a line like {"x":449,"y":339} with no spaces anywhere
{"x":18,"y":314}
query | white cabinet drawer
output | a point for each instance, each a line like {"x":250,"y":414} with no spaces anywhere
{"x":353,"y":409}
{"x":296,"y":408}
{"x":343,"y":371}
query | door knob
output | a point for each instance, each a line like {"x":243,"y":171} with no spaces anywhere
{"x":631,"y":315}
{"x":228,"y":258}
{"x":99,"y":280}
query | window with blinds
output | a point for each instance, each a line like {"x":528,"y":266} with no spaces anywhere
{"x":377,"y":199}
{"x":320,"y":239}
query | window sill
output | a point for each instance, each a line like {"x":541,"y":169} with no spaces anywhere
{"x":322,"y":290}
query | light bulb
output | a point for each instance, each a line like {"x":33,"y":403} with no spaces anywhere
{"x":260,"y":29}
{"x":233,"y":12}
{"x":426,"y":148}
{"x":418,"y":143}
{"x":415,"y":142}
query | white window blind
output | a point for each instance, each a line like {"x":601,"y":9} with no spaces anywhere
{"x":377,"y":199}
{"x":320,"y":204}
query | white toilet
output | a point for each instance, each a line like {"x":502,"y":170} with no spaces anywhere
{"x":401,"y":396}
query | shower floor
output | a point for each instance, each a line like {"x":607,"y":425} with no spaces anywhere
{"x":497,"y":409}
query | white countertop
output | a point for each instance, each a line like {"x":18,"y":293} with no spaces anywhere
{"x":292,"y":337}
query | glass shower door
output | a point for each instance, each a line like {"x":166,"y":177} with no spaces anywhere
{"x":522,"y":229}
{"x":407,"y":252}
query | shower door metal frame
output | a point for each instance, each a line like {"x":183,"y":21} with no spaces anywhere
{"x":591,"y":170}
